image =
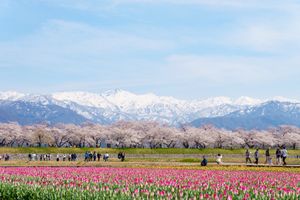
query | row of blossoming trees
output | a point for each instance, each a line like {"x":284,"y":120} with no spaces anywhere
{"x":144,"y":135}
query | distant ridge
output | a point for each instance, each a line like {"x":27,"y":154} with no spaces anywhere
{"x":114,"y":105}
{"x":264,"y":116}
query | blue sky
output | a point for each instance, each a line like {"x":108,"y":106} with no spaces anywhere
{"x":185,"y":48}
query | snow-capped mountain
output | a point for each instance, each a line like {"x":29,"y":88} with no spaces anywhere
{"x":115,"y":105}
{"x":27,"y":113}
{"x":263,"y":116}
{"x":11,"y":96}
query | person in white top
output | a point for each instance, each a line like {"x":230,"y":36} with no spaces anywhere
{"x":33,"y":156}
{"x":105,"y":157}
{"x":284,"y":155}
{"x":219,"y":159}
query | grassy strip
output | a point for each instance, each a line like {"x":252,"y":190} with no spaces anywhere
{"x":148,"y":164}
{"x":25,"y":150}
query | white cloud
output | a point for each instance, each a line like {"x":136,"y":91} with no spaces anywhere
{"x":71,"y":44}
{"x":250,"y":32}
{"x":267,"y":36}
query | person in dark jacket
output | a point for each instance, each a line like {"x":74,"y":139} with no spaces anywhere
{"x":267,"y":155}
{"x":98,"y":156}
{"x":256,"y":156}
{"x":204,"y":161}
{"x":121,"y":156}
{"x":278,"y":156}
{"x":94,"y":156}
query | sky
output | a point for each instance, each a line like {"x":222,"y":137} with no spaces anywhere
{"x":189,"y":49}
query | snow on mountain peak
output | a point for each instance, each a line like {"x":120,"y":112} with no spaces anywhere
{"x":247,"y":101}
{"x":35,"y":98}
{"x":212,"y":102}
{"x":114,"y":105}
{"x":83,"y":98}
{"x":11,"y":95}
{"x":113,"y":92}
{"x":283,"y":99}
{"x":128,"y":100}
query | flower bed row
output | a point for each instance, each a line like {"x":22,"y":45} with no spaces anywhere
{"x":135,"y":183}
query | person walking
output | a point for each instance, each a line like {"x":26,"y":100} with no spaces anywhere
{"x":267,"y":155}
{"x":90,"y":156}
{"x":219,"y":159}
{"x":29,"y":157}
{"x":256,"y":156}
{"x":284,"y":155}
{"x":248,"y":159}
{"x":94,"y":156}
{"x":33,"y":156}
{"x":86,"y":156}
{"x":278,"y":156}
{"x":98,"y":156}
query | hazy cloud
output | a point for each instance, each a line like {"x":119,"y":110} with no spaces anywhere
{"x":236,"y":69}
{"x":72,"y":45}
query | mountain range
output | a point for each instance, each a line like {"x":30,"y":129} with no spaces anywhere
{"x":114,"y":105}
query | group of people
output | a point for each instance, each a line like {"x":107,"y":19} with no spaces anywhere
{"x":89,"y":156}
{"x":48,"y":157}
{"x":65,"y":157}
{"x":5,"y":157}
{"x":281,"y":155}
{"x":41,"y":157}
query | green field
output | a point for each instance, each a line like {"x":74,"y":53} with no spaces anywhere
{"x":44,"y":150}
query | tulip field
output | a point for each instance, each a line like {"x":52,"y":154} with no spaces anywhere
{"x":144,"y":183}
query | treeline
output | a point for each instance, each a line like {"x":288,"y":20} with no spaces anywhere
{"x":144,"y":135}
